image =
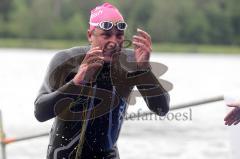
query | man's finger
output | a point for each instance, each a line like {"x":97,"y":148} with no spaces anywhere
{"x":144,"y":34}
{"x":95,"y":66}
{"x":232,"y":120}
{"x":94,"y":59}
{"x":234,"y":104}
{"x":95,"y":52}
{"x":141,"y":45}
{"x":228,"y":117}
{"x":92,"y":70}
{"x":231,"y":115}
{"x":141,"y":39}
{"x":231,"y":105}
{"x":229,"y":122}
{"x":236,"y":122}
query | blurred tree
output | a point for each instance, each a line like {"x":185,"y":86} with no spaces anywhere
{"x":220,"y":23}
{"x":75,"y":28}
{"x":85,"y":7}
{"x":42,"y":19}
{"x":194,"y":27}
{"x":163,"y":24}
{"x":140,"y":15}
{"x":234,"y":12}
{"x":5,"y":9}
{"x":57,"y":6}
{"x":195,"y":21}
{"x":16,"y":26}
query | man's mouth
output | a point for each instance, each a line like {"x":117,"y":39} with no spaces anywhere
{"x":109,"y":53}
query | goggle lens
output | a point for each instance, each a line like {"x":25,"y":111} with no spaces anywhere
{"x":108,"y":25}
{"x":121,"y":26}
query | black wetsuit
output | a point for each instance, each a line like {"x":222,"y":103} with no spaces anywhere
{"x":104,"y":123}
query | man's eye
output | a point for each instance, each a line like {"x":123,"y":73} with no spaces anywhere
{"x":119,"y":36}
{"x":106,"y":35}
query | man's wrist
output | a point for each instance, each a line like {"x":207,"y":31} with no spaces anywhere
{"x":143,"y":66}
{"x":80,"y":78}
{"x":81,"y":82}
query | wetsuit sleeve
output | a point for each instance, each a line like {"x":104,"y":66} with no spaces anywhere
{"x":56,"y":86}
{"x":155,"y":96}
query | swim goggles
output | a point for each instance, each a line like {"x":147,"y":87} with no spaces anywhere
{"x":108,"y":25}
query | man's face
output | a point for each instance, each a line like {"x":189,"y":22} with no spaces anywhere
{"x":106,"y":39}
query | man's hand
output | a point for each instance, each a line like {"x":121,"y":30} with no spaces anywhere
{"x":91,"y":64}
{"x":234,"y":116}
{"x":142,"y":48}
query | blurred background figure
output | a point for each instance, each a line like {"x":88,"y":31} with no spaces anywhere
{"x":233,"y":117}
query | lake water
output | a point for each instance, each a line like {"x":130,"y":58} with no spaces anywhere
{"x":194,"y":76}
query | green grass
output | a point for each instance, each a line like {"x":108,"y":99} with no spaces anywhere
{"x":162,"y":47}
{"x":40,"y":43}
{"x":196,"y":48}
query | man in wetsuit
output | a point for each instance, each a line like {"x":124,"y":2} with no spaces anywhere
{"x":86,"y":89}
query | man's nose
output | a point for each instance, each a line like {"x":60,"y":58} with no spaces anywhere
{"x":113,"y":39}
{"x":112,"y":42}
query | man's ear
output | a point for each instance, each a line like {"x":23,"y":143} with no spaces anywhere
{"x":89,"y":36}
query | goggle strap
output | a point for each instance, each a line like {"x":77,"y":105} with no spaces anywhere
{"x":93,"y":24}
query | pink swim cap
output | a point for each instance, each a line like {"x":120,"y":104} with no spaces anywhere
{"x":105,"y":12}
